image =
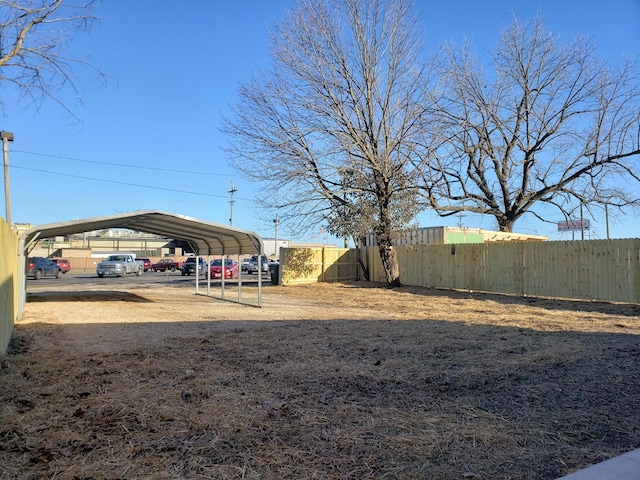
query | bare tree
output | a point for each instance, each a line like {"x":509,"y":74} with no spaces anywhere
{"x":552,"y":125}
{"x":331,"y":130}
{"x":33,"y":37}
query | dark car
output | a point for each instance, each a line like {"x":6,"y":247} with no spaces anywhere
{"x":146,"y":263}
{"x":43,"y":267}
{"x":189,"y":266}
{"x":65,"y":265}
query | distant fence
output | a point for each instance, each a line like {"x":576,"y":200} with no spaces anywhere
{"x":606,"y":270}
{"x":321,"y":264}
{"x":9,"y":273}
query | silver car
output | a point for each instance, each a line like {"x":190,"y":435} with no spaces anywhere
{"x":253,"y":264}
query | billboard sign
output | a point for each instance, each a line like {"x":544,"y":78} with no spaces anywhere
{"x":573,"y":225}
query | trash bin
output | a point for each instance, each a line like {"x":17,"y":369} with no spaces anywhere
{"x":274,"y":270}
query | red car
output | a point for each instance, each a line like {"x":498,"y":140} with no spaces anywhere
{"x":166,"y":264}
{"x":230,"y":268}
{"x":146,"y":263}
{"x":64,"y":264}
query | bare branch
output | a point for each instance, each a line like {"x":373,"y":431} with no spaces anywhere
{"x":33,"y":37}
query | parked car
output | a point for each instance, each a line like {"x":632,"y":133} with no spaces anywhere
{"x":146,"y":264}
{"x":230,"y":268}
{"x":166,"y":264}
{"x":65,"y":265}
{"x":245,"y":263}
{"x":43,"y":267}
{"x":253,"y":264}
{"x":189,"y":266}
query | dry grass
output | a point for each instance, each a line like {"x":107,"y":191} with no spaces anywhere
{"x":327,"y":381}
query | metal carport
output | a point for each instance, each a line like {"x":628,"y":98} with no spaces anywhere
{"x":206,"y":238}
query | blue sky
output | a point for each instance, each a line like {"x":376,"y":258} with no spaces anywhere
{"x":174,"y":68}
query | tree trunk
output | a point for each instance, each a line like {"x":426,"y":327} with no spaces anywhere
{"x":388,"y":256}
{"x":390,"y":265}
{"x":506,"y":224}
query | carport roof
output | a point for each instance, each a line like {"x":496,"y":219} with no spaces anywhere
{"x":206,"y":238}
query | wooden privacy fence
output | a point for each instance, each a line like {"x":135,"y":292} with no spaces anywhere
{"x":318,"y":264}
{"x":9,"y":282}
{"x":607,"y":270}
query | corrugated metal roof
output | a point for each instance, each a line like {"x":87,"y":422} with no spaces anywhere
{"x":206,"y":238}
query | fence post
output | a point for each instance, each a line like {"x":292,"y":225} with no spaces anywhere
{"x":636,"y":271}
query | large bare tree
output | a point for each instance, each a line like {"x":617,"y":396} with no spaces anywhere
{"x":552,"y":124}
{"x":34,"y":36}
{"x":331,"y":129}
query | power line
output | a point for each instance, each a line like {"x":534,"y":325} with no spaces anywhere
{"x":112,"y":164}
{"x":124,"y":183}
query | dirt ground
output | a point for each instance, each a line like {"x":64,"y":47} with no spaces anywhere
{"x":344,"y":381}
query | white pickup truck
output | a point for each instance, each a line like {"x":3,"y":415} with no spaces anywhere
{"x":119,"y":265}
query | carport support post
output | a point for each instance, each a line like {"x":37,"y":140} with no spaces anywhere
{"x":197,"y":270}
{"x":239,"y":280}
{"x":23,"y":249}
{"x":260,"y":278}
{"x":222,"y":276}
{"x":208,"y":275}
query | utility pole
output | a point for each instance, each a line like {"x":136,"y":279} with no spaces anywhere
{"x":460,"y":216}
{"x":277,"y":222}
{"x":232,"y":192}
{"x":6,"y":137}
